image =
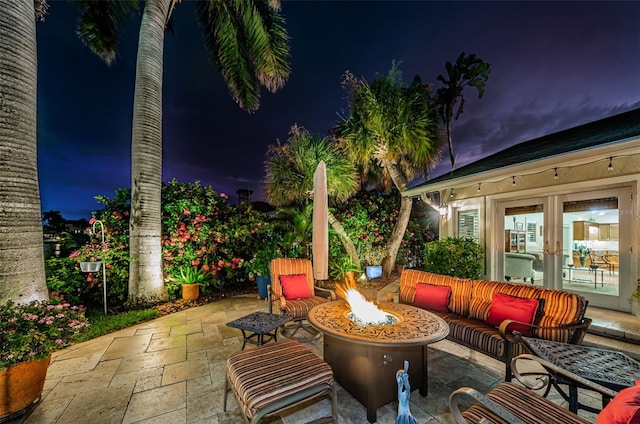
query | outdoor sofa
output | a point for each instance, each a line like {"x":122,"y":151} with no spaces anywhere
{"x":482,"y":315}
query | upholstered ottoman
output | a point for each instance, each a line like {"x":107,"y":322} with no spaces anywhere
{"x":276,"y":376}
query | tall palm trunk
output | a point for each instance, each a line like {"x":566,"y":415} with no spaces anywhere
{"x":450,"y":141}
{"x":22,"y":276}
{"x":145,"y":269}
{"x":347,"y":243}
{"x":406,"y":203}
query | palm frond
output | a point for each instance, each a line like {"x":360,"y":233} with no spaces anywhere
{"x":100,"y":22}
{"x":249,"y":45}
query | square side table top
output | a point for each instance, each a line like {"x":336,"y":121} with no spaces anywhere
{"x":259,"y":322}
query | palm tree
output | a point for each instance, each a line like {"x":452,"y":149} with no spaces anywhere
{"x":290,"y":168}
{"x":467,"y":71}
{"x":249,"y":45}
{"x":22,"y":275}
{"x":391,"y":128}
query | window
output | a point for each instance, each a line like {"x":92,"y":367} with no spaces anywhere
{"x":531,"y":231}
{"x":468,"y":224}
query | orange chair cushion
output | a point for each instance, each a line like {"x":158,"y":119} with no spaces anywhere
{"x":505,"y":307}
{"x":432,"y":297}
{"x":295,"y":286}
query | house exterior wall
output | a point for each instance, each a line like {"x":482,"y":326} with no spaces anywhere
{"x":580,"y":171}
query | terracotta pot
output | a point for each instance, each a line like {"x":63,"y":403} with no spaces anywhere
{"x":21,"y":386}
{"x":190,"y":291}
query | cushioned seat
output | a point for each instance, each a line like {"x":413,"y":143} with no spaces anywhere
{"x":273,"y":377}
{"x":291,"y":275}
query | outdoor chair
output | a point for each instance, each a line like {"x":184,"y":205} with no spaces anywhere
{"x":598,"y":261}
{"x":612,"y":263}
{"x":511,"y":403}
{"x":273,"y":377}
{"x":293,"y":293}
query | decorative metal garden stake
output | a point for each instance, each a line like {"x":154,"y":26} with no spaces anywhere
{"x":104,"y":265}
{"x":404,"y":392}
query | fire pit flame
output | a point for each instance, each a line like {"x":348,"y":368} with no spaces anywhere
{"x":362,"y":311}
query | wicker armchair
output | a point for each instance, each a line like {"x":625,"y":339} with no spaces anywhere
{"x":297,"y":309}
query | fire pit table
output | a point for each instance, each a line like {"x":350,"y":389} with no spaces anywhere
{"x":365,"y":357}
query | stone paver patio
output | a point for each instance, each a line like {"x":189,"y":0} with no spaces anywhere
{"x":171,"y":370}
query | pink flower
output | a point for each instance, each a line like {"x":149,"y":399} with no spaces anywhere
{"x":92,"y":221}
{"x":224,"y":196}
{"x":205,"y":267}
{"x":187,"y":211}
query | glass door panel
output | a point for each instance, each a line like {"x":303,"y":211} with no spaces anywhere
{"x":591,"y":249}
{"x":524,"y":244}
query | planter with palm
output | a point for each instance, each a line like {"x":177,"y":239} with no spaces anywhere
{"x":258,"y":267}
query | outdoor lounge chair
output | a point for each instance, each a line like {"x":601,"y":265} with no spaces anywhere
{"x":510,"y":403}
{"x":293,"y":293}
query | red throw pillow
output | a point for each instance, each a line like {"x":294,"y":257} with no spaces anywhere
{"x":514,"y":308}
{"x":623,"y":409}
{"x":295,"y":286}
{"x":432,"y":297}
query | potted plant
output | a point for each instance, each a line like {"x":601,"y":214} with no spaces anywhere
{"x":372,"y":257}
{"x":190,"y":278}
{"x":259,"y":267}
{"x":400,"y":263}
{"x":343,"y":269}
{"x":29,"y":333}
{"x":583,"y":252}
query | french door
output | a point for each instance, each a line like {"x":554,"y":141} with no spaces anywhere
{"x":580,"y":242}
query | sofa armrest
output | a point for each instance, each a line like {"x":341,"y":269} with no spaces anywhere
{"x":486,"y":402}
{"x":326,"y":293}
{"x":579,"y":329}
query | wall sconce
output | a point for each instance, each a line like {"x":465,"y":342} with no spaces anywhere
{"x":444,"y":210}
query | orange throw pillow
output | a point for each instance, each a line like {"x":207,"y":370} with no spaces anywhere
{"x":514,"y":308}
{"x":432,"y":297}
{"x":295,"y":286}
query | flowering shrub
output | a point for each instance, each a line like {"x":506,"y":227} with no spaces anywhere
{"x":32,"y":331}
{"x":201,"y":229}
{"x":369,"y":219}
{"x":64,"y":275}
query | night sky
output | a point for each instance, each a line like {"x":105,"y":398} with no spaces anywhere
{"x":555,"y":65}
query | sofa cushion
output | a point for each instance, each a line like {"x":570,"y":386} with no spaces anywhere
{"x":482,"y":336}
{"x":560,"y":308}
{"x":460,"y":288}
{"x":623,"y":409}
{"x":295,"y":286}
{"x":482,"y":295}
{"x":506,"y":307}
{"x":432,"y":297}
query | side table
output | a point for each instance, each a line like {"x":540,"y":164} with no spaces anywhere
{"x":608,"y":368}
{"x":257,"y":325}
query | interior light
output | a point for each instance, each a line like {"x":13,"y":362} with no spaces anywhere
{"x":478,"y":188}
{"x":555,"y":177}
{"x":451,"y":194}
{"x":610,"y":168}
{"x":513,"y":182}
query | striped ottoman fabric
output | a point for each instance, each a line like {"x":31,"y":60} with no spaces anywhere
{"x":524,"y":404}
{"x":272,"y":377}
